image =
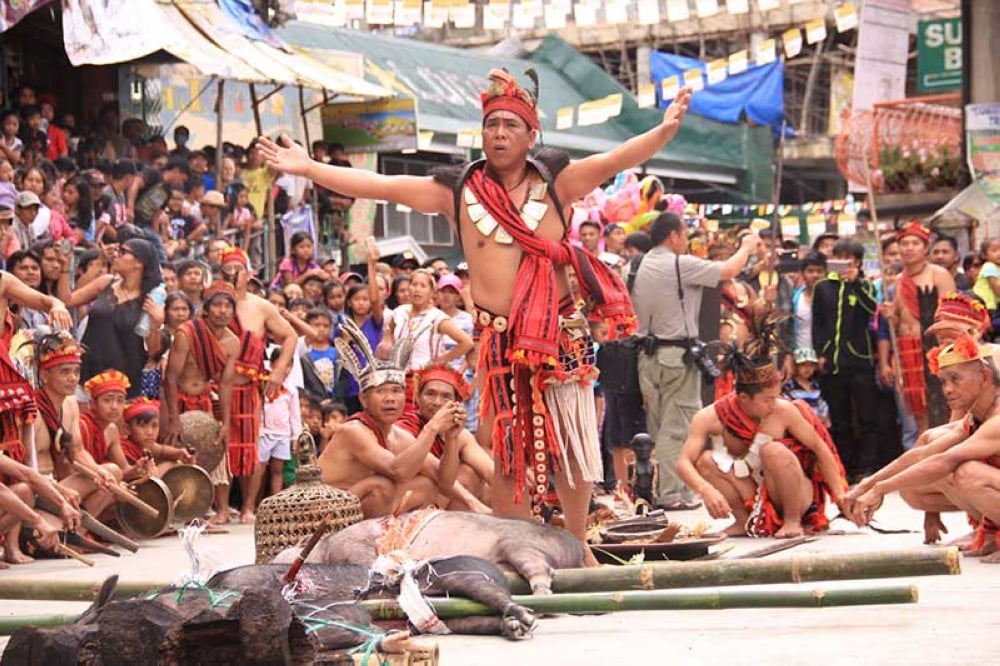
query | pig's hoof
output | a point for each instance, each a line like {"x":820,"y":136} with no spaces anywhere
{"x":518,"y":623}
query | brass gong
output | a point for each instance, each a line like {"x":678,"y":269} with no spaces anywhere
{"x":154,"y":492}
{"x":191,"y":490}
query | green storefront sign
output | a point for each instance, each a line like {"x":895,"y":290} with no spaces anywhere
{"x":939,"y":55}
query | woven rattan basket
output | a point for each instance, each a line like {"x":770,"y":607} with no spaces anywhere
{"x":285,"y":519}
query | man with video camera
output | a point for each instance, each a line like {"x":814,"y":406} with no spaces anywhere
{"x":667,"y":299}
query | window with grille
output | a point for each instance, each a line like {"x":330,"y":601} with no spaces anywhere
{"x":425,"y":229}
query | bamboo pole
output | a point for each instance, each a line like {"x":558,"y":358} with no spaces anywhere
{"x":11,"y":624}
{"x":603,"y":602}
{"x":69,"y":590}
{"x":609,"y":602}
{"x":652,"y":576}
{"x":795,"y":569}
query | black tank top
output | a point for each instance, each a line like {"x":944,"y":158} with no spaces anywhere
{"x":109,"y":341}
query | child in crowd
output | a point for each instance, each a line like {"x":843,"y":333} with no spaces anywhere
{"x":139,"y":445}
{"x":242,"y":217}
{"x":319,"y":365}
{"x":280,"y":426}
{"x":333,"y":413}
{"x":8,"y":193}
{"x":299,"y":262}
{"x":803,"y":385}
{"x":987,"y":285}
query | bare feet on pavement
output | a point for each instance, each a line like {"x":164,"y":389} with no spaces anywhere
{"x":15,"y":556}
{"x":220,"y":518}
{"x":789,"y":531}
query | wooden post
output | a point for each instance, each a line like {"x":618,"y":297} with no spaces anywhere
{"x":269,"y":227}
{"x":219,"y":98}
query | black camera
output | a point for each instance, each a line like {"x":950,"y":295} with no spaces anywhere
{"x":649,"y":345}
{"x":698,"y":354}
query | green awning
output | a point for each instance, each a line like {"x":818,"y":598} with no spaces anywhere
{"x":447,"y":82}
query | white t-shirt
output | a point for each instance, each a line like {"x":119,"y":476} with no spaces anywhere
{"x":803,"y":324}
{"x":429,"y":342}
{"x":464,"y":321}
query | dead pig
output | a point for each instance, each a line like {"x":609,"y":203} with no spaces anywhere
{"x":318,"y":585}
{"x":531,"y":549}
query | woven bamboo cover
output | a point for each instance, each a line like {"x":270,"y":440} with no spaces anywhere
{"x":285,"y":519}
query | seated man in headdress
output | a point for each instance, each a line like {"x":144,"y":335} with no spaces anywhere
{"x":435,"y":387}
{"x":57,"y":433}
{"x":202,"y":357}
{"x":959,"y":466}
{"x":372,"y":457}
{"x":771,"y":464}
{"x":957,"y":315}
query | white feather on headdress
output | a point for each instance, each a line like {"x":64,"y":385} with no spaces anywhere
{"x":369,"y":371}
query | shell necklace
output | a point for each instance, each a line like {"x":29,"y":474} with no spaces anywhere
{"x":532,"y":212}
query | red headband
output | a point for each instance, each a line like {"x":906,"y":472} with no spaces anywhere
{"x":141,"y":407}
{"x":449,"y":376}
{"x":235,"y":254}
{"x":916,"y":230}
{"x":505,"y":95}
{"x":220,"y":288}
{"x":107,"y":382}
{"x":69,"y":352}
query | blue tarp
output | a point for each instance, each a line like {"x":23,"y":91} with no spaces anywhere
{"x":250,"y":22}
{"x":757,"y":92}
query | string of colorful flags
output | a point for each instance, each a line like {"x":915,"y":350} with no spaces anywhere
{"x":595,"y":112}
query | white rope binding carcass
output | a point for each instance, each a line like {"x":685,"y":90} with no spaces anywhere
{"x":396,"y":569}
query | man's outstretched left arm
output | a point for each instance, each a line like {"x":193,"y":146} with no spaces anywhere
{"x":582,"y":176}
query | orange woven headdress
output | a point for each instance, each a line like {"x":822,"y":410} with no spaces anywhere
{"x":107,"y":382}
{"x":963,"y":350}
{"x":957,"y":307}
{"x":231,"y":253}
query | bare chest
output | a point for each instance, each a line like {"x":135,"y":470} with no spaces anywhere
{"x":492,"y":253}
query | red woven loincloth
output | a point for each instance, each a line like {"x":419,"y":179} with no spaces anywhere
{"x":244,"y":427}
{"x":911,"y":363}
{"x":765,"y":519}
{"x":201,"y":402}
{"x":525,"y":440}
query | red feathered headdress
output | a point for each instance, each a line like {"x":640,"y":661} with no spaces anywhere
{"x":505,"y":95}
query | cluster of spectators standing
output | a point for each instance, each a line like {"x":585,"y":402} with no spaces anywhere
{"x":118,"y":225}
{"x":838,"y":352}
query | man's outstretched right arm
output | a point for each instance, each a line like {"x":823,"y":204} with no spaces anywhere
{"x":420,"y":193}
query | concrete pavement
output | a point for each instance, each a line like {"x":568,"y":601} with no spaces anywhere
{"x":956,"y":620}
